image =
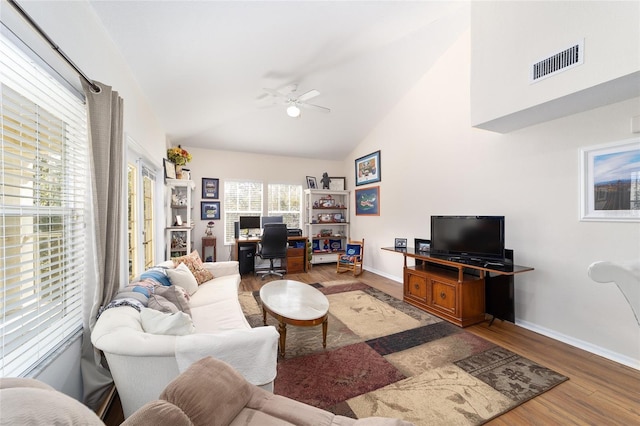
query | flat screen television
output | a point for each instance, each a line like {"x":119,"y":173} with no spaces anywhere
{"x":249,"y":222}
{"x":468,"y":237}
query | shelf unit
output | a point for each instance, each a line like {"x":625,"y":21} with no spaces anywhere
{"x":179,"y":238}
{"x":326,"y":223}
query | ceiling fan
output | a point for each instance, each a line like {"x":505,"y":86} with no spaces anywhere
{"x":295,"y":101}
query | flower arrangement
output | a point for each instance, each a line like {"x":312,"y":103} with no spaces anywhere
{"x":178,"y":155}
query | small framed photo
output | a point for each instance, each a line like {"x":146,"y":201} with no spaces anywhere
{"x":368,"y":169}
{"x":311,"y":182}
{"x":210,"y":188}
{"x":210,"y":210}
{"x":368,"y":201}
{"x":169,"y":169}
{"x":178,"y":221}
{"x":337,"y":183}
{"x":610,"y":177}
{"x":422,"y":246}
{"x":400,"y":243}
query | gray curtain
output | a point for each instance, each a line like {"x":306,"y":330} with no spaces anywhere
{"x":106,"y":141}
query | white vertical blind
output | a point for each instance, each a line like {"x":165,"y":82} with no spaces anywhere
{"x":43,"y":179}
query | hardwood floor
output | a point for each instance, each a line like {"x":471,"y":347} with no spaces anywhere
{"x":598,"y":392}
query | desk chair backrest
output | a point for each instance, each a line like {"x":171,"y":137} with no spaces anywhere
{"x":274,"y":241}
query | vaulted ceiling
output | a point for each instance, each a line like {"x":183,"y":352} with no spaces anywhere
{"x":203,"y":66}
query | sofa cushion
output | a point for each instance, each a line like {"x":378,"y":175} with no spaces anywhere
{"x":182,"y":277}
{"x":195,"y":265}
{"x":205,"y":377}
{"x":156,"y":413}
{"x":158,"y":274}
{"x":156,"y":322}
{"x":176,"y":296}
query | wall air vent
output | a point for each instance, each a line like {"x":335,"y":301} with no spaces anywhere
{"x":558,"y":62}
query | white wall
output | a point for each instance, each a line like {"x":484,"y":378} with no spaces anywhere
{"x":509,"y":36}
{"x":236,"y":165}
{"x":532,"y":177}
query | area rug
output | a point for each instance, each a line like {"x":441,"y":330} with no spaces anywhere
{"x":387,"y":358}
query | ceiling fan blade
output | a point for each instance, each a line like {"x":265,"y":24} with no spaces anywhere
{"x":318,"y":107}
{"x":308,"y":95}
{"x":273,"y":92}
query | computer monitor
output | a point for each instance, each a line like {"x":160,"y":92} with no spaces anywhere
{"x":249,"y":223}
{"x":271,"y":219}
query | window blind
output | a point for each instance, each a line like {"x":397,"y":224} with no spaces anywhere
{"x":285,"y":200}
{"x":43,"y":181}
{"x":241,"y":198}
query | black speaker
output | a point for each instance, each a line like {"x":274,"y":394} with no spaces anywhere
{"x":236,"y":230}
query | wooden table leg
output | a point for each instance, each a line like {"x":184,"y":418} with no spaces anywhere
{"x":282,"y":329}
{"x":324,"y":332}
{"x":264,"y":315}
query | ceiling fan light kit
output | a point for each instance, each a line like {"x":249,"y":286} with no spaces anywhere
{"x":293,"y":111}
{"x":294,"y":102}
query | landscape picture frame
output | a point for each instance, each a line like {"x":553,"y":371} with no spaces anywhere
{"x":210,"y":188}
{"x":368,"y":169}
{"x":368,"y":201}
{"x":610,"y":182}
{"x":337,"y":183}
{"x":210,"y":210}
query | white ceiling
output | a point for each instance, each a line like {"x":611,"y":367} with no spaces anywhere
{"x":203,"y":65}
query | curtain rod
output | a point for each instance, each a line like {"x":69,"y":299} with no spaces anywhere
{"x":54,"y":46}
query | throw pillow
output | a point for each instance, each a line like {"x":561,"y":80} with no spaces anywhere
{"x":158,"y":274}
{"x":176,"y":295}
{"x":195,"y":265}
{"x":182,"y":277}
{"x":156,"y":322}
{"x":161,"y":304}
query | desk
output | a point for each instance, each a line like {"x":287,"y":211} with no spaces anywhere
{"x":296,"y":256}
{"x":453,"y":290}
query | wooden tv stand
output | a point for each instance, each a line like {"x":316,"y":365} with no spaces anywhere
{"x":451,"y":290}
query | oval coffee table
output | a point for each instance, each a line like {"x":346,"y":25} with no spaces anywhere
{"x":294,"y":303}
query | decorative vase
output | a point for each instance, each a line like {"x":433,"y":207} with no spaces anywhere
{"x":178,"y":172}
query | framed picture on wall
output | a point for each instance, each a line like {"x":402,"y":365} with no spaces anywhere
{"x":368,"y":169}
{"x":610,"y":181}
{"x":210,"y":188}
{"x":210,"y":210}
{"x":368,"y":201}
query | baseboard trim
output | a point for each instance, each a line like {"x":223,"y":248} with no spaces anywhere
{"x":103,"y":409}
{"x":383,"y":274}
{"x":580,"y":344}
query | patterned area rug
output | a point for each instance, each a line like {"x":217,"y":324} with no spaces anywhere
{"x":387,"y":358}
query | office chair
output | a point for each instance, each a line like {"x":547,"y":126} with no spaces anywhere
{"x":273,"y":245}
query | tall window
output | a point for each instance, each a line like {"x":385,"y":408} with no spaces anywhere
{"x":286,"y":201}
{"x":140,"y":203}
{"x":43,"y":182}
{"x":240,"y":199}
{"x":132,"y":222}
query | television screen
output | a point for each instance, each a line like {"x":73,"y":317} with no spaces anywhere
{"x":468,"y":236}
{"x":271,"y":219}
{"x":249,"y":222}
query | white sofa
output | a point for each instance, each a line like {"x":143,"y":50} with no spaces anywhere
{"x":143,"y":364}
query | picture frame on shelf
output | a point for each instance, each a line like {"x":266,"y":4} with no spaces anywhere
{"x":337,"y":183}
{"x":210,"y":188}
{"x":210,"y":210}
{"x":311,"y":182}
{"x":178,"y":221}
{"x":368,"y":201}
{"x":609,"y":172}
{"x":169,"y":169}
{"x":368,"y":169}
{"x":400,"y":243}
{"x":422,"y":245}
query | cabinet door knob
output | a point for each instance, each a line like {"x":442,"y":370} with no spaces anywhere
{"x":417,"y":286}
{"x":443,"y":295}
